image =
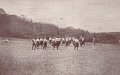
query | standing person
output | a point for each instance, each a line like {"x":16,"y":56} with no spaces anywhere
{"x":33,"y":44}
{"x":67,"y":41}
{"x":45,"y":43}
{"x":37,"y":43}
{"x":41,"y":41}
{"x":73,"y":39}
{"x":53,"y":42}
{"x":76,"y":43}
{"x":94,"y":40}
{"x":63,"y":40}
{"x":70,"y":39}
{"x":50,"y":40}
{"x":82,"y":40}
{"x":58,"y":41}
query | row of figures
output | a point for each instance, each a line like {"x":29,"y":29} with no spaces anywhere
{"x":55,"y":42}
{"x":39,"y":42}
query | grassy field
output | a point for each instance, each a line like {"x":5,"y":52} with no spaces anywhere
{"x":17,"y":58}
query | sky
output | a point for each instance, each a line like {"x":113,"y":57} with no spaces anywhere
{"x":91,"y":15}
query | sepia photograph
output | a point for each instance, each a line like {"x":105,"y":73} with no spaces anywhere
{"x":59,"y":37}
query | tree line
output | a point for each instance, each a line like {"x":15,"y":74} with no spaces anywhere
{"x":22,"y":27}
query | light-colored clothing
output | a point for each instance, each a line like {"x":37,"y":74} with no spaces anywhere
{"x":57,"y":39}
{"x":63,"y":39}
{"x":66,"y":39}
{"x":37,"y":40}
{"x":93,"y":39}
{"x":50,"y":38}
{"x":53,"y":39}
{"x":69,"y":38}
{"x":45,"y":40}
{"x":73,"y":39}
{"x":33,"y":40}
{"x":41,"y":39}
{"x":82,"y":38}
{"x":76,"y":40}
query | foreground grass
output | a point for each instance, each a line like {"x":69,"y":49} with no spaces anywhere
{"x":17,"y":58}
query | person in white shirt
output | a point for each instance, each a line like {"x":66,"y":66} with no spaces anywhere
{"x":76,"y":40}
{"x":53,"y":39}
{"x":58,"y":41}
{"x":45,"y":40}
{"x":63,"y":40}
{"x":37,"y":43}
{"x":41,"y":39}
{"x":94,"y":40}
{"x":50,"y":40}
{"x":76,"y":43}
{"x":53,"y":42}
{"x":66,"y":39}
{"x":73,"y":39}
{"x":37,"y":40}
{"x":82,"y":40}
{"x":44,"y":43}
{"x":69,"y":38}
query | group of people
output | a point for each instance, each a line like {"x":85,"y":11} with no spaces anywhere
{"x":39,"y":42}
{"x":55,"y":42}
